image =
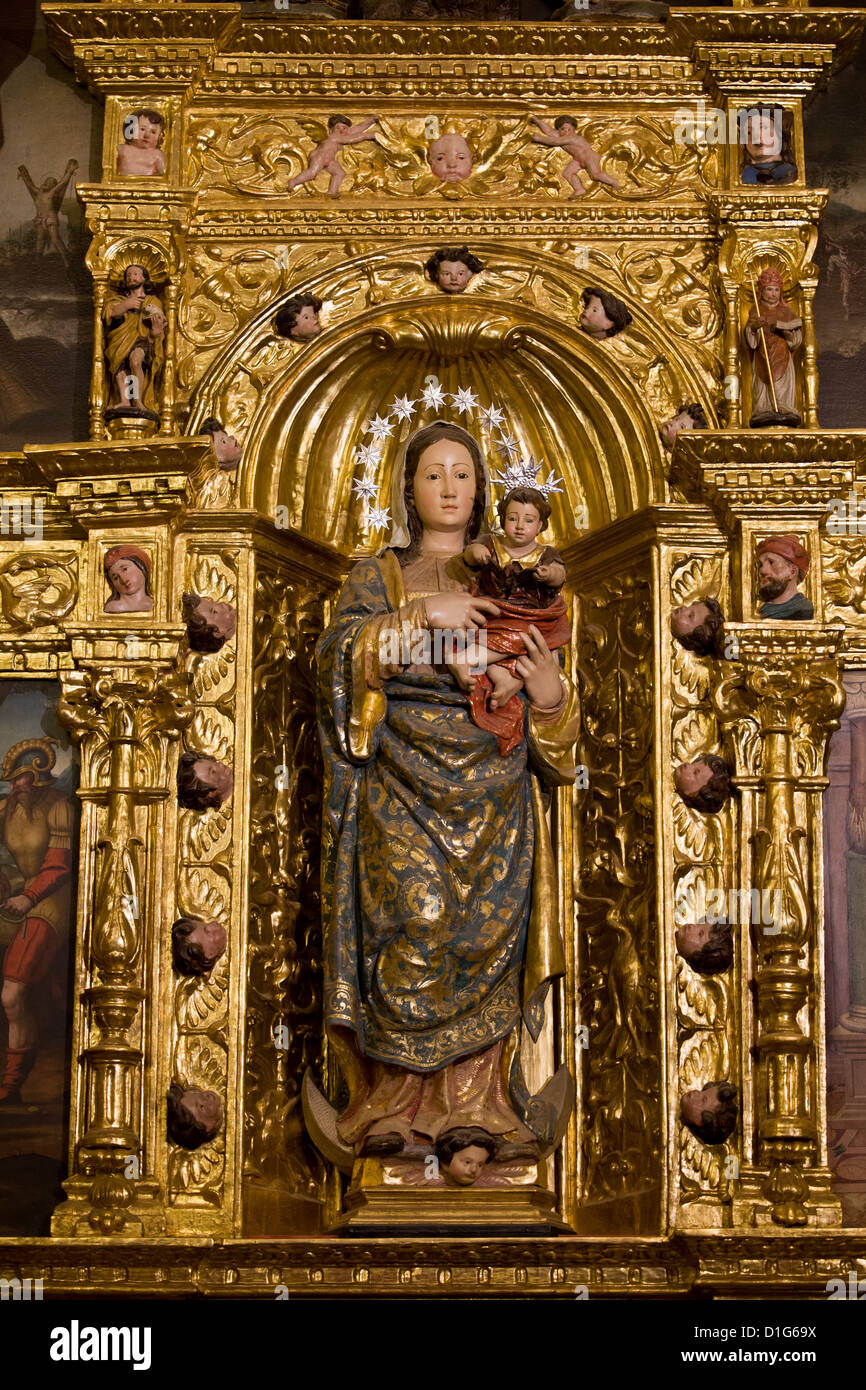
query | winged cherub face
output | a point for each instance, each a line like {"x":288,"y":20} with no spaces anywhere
{"x":450,"y":158}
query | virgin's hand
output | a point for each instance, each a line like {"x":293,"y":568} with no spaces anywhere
{"x":459,"y":611}
{"x":540,"y":671}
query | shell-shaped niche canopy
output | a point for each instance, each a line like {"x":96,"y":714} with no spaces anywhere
{"x":566,"y":402}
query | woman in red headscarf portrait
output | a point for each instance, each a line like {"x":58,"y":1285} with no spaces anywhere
{"x":127,"y":572}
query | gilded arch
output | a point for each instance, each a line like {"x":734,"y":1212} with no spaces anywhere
{"x":590,"y":410}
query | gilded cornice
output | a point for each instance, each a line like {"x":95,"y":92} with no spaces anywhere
{"x":762,"y":448}
{"x":216,"y":46}
{"x":285,"y":222}
{"x":786,"y":209}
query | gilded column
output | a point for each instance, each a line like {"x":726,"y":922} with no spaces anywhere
{"x":126,"y":718}
{"x":733,"y":391}
{"x":166,"y":419}
{"x":97,"y":380}
{"x":779,"y":704}
{"x":808,"y":286}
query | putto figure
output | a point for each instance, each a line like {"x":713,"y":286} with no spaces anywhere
{"x":708,"y":947}
{"x":36,"y":828}
{"x":299,"y":318}
{"x":48,"y":199}
{"x":193,"y":1116}
{"x":438,"y":939}
{"x":127,"y":573}
{"x":452,"y":267}
{"x":698,"y":626}
{"x":767,"y":158}
{"x":209,"y":623}
{"x":226,"y":448}
{"x":203,"y":783}
{"x":450,"y":158}
{"x":197,"y":944}
{"x":773,"y":332}
{"x":705,"y":783}
{"x":340,"y":132}
{"x":689,"y":416}
{"x":563,"y":134}
{"x":711,"y":1113}
{"x":603,"y":314}
{"x":782,"y":563}
{"x":140,"y":154}
{"x":524,"y":578}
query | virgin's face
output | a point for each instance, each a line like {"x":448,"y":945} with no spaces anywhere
{"x":126,"y":578}
{"x":444,"y":486}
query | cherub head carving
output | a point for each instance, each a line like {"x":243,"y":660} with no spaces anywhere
{"x":462,"y":1153}
{"x":299,"y":318}
{"x":603,"y":314}
{"x":225,"y":445}
{"x":197,"y":944}
{"x":705,"y":783}
{"x":450,"y":158}
{"x":209,"y":623}
{"x":202,"y":782}
{"x":452,"y":267}
{"x":689,"y":416}
{"x":193,"y":1116}
{"x":711,"y":1113}
{"x":696,"y":626}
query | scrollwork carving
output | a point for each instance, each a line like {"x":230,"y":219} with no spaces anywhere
{"x":284,"y":990}
{"x":38,"y":589}
{"x":618,"y":996}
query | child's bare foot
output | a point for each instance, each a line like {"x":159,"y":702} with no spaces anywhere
{"x":504,"y":686}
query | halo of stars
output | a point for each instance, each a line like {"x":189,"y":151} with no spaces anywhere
{"x":517,"y":471}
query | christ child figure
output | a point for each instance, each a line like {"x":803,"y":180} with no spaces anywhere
{"x":340,"y":132}
{"x":140,"y":153}
{"x":563,"y":133}
{"x":524,"y":576}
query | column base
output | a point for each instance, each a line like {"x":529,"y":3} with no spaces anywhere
{"x":751,"y":1207}
{"x":110,"y":1205}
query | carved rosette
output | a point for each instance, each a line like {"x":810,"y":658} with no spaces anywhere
{"x":618,"y":960}
{"x":780,"y":702}
{"x":284,"y":1025}
{"x":126,"y":720}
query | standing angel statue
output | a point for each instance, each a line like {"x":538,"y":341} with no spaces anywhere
{"x":439,"y":902}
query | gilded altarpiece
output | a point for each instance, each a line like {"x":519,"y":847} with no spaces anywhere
{"x":242,"y":101}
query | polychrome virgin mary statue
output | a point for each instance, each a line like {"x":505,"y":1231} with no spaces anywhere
{"x":440,"y":923}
